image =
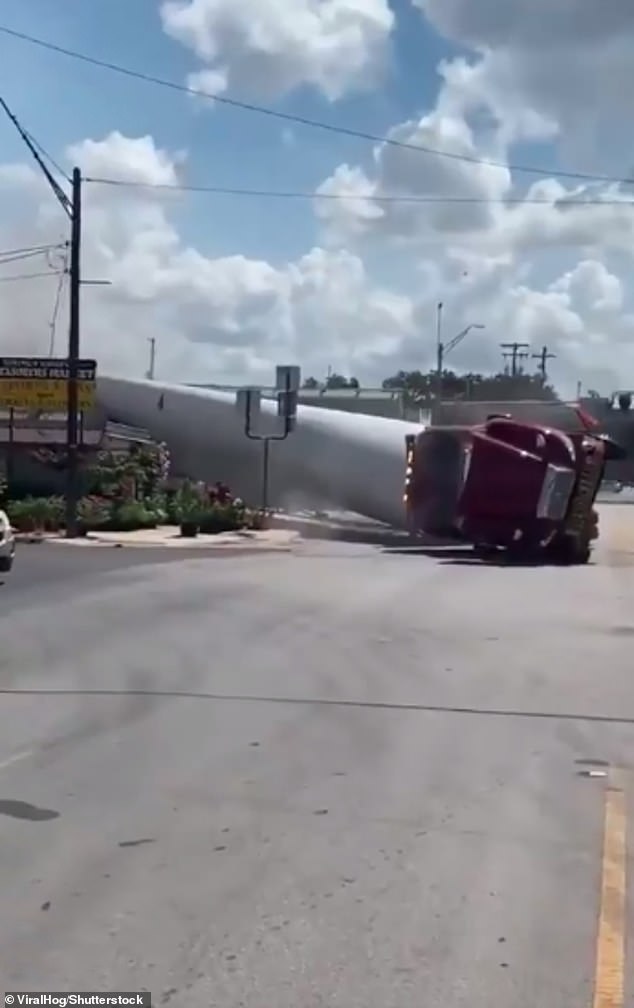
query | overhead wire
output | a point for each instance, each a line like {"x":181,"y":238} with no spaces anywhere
{"x":21,"y":258}
{"x":56,"y":307}
{"x":35,"y":149}
{"x":378,"y":198}
{"x":289,"y":117}
{"x":29,"y":276}
{"x":51,"y":246}
{"x":48,"y":157}
{"x":4,"y":260}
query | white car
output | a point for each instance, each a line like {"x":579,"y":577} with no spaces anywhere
{"x":7,"y":544}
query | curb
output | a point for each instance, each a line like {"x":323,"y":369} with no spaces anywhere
{"x":241,"y":544}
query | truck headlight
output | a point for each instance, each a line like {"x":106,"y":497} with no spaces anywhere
{"x":555,"y":493}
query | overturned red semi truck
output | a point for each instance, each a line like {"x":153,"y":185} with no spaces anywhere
{"x":508,"y":484}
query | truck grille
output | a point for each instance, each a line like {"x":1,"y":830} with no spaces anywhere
{"x":584,"y":492}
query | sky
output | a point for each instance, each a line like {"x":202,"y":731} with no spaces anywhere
{"x":417,"y":192}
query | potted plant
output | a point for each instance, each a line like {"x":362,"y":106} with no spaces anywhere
{"x":216,"y":518}
{"x":259,"y":520}
{"x":188,"y":507}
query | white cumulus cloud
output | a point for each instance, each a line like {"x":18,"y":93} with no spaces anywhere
{"x":270,"y":47}
{"x":362,"y":294}
{"x":566,"y":63}
{"x":228,"y":318}
{"x":232,"y":318}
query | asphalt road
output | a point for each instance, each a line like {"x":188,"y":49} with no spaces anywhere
{"x":42,"y":568}
{"x":340,"y":778}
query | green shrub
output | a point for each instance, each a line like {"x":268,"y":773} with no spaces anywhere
{"x":130,"y":516}
{"x":211,"y":509}
{"x":189,"y":503}
{"x":36,"y":514}
{"x":172,"y":512}
{"x":217,"y":518}
{"x":93,"y":514}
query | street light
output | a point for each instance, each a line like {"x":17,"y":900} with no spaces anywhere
{"x":442,"y":349}
{"x":149,"y":374}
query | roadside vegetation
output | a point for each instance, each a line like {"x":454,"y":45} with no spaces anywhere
{"x":130,"y":491}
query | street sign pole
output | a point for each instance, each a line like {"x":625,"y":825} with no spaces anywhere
{"x":248,"y":404}
{"x":72,"y":429}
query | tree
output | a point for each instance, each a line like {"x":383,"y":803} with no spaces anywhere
{"x":310,"y":383}
{"x":337,"y":381}
{"x":415,"y":384}
{"x":420,"y":388}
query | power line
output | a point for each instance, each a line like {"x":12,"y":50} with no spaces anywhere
{"x":55,"y":186}
{"x":23,"y":256}
{"x":298,"y":195}
{"x":297,"y":119}
{"x":19,"y":258}
{"x":29,"y":276}
{"x":32,"y":248}
{"x":56,"y":307}
{"x":47,"y":156}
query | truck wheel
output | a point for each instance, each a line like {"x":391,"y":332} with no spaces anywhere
{"x":6,"y":563}
{"x":567,"y":551}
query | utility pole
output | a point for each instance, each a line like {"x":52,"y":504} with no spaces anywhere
{"x":72,"y":421}
{"x":443,"y":349}
{"x":542,"y":357}
{"x":150,"y":371}
{"x":515,"y":352}
{"x":440,"y":355}
{"x":72,"y":209}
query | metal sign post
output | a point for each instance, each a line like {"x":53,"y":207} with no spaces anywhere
{"x":248,"y":402}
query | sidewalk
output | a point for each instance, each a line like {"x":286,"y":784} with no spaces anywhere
{"x":271,"y":540}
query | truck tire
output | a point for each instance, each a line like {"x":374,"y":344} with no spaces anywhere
{"x":568,"y":551}
{"x":6,"y":563}
{"x":573,"y":550}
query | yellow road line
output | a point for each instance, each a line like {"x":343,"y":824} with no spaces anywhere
{"x":609,"y":987}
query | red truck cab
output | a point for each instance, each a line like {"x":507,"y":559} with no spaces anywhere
{"x":507,"y":484}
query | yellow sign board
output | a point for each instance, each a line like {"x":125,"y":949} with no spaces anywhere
{"x":50,"y":396}
{"x":41,"y":383}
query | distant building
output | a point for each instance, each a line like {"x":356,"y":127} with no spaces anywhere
{"x":458,"y":413}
